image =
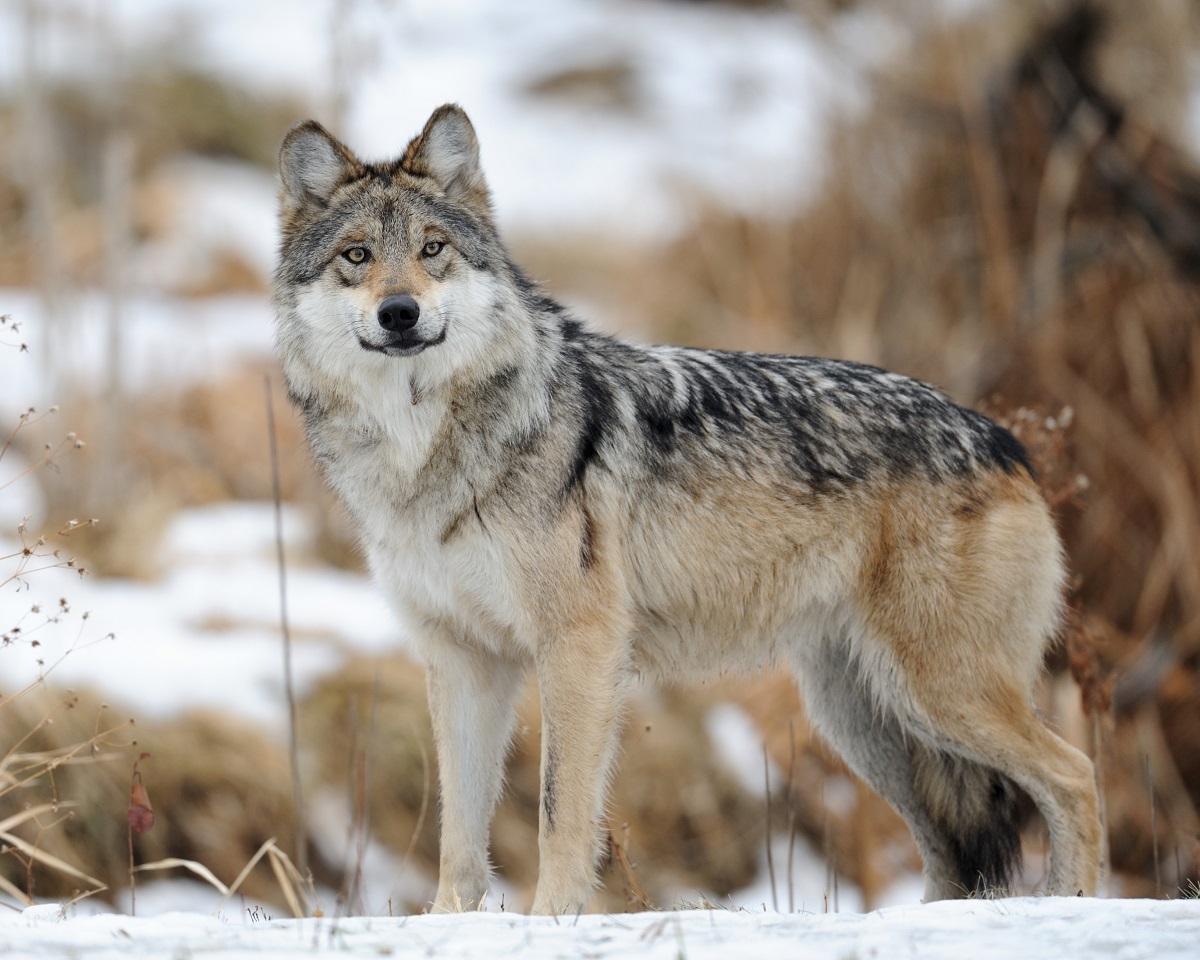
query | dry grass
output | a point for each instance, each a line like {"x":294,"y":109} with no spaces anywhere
{"x":221,"y":792}
{"x":32,"y":761}
{"x":168,"y":109}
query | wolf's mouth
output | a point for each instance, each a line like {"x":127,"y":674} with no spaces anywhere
{"x":402,"y":346}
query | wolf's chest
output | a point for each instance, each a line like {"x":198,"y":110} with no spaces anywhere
{"x":374,"y":458}
{"x":410,"y":497}
{"x":467,"y":584}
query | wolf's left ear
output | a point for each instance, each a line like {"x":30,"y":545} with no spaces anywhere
{"x":312,"y":164}
{"x":447,"y":152}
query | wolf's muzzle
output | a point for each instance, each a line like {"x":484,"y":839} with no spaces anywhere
{"x":398,"y":316}
{"x":399,"y":313}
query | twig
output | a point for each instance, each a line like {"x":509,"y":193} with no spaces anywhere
{"x":362,"y":791}
{"x":791,"y":799}
{"x":634,"y":892}
{"x":426,"y":780}
{"x":132,"y":872}
{"x":830,"y":854}
{"x":301,"y":849}
{"x":1153,"y":827}
{"x":770,"y":856}
{"x":139,"y":817}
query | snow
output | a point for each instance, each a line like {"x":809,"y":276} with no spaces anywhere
{"x":214,"y":206}
{"x":205,"y":634}
{"x":167,"y":341}
{"x":735,"y":737}
{"x":1030,"y":928}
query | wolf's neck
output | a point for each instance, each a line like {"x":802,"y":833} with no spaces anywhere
{"x":409,"y":413}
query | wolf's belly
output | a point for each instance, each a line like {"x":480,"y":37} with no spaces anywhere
{"x":736,"y":605}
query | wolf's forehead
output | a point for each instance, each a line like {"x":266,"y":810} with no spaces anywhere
{"x":382,"y":212}
{"x":397,"y":201}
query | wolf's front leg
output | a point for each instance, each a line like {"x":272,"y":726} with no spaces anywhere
{"x":472,"y":698}
{"x":581,"y":680}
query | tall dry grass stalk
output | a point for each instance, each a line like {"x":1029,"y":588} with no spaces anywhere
{"x":301,"y":848}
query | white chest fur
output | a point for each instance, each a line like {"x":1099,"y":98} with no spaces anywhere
{"x":376,"y":455}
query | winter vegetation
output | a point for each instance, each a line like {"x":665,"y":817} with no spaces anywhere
{"x":999,"y":198}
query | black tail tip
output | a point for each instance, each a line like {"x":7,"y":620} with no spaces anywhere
{"x":987,"y":855}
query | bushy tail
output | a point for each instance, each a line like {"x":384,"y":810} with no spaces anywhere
{"x":978,"y":813}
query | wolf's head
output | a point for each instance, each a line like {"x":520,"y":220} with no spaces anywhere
{"x":396,"y":258}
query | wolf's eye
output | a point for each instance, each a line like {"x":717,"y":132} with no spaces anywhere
{"x":356,"y":254}
{"x":432,"y":248}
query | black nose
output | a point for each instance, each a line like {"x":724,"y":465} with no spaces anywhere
{"x":399,"y":313}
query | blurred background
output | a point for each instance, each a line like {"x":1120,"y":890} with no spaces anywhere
{"x":1000,"y":198}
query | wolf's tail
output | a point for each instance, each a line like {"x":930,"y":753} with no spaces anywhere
{"x":978,"y":813}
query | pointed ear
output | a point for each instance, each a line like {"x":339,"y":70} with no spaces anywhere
{"x":448,"y":153}
{"x":312,"y":163}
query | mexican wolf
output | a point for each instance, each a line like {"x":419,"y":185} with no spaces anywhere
{"x":532,"y":494}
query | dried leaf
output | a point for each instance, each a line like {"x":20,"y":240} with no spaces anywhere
{"x":140,"y":813}
{"x":141,"y":819}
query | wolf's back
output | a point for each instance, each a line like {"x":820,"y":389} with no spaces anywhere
{"x":829,"y":424}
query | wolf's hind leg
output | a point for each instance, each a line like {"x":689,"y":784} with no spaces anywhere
{"x":472,"y":700}
{"x":992,"y":723}
{"x":872,"y":742}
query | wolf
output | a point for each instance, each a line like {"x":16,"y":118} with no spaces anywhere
{"x":534,"y":495}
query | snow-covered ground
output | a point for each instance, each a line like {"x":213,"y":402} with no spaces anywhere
{"x":167,"y":341}
{"x":1029,"y":929}
{"x":205,"y":634}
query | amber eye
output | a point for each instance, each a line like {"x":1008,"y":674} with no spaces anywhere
{"x":356,"y":254}
{"x":433,"y":248}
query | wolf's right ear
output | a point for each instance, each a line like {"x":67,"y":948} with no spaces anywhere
{"x":312,"y":163}
{"x":447,"y":152}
